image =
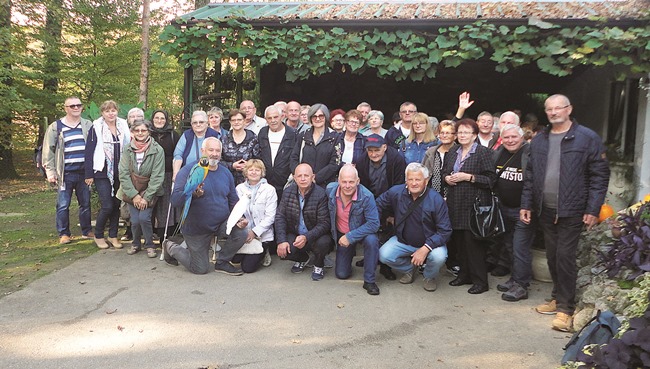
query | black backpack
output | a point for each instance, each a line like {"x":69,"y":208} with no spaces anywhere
{"x":599,"y":330}
{"x":38,"y":152}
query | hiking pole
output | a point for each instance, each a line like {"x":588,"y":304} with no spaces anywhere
{"x":169,"y":211}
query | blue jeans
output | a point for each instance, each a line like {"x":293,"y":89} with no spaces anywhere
{"x":397,"y":255}
{"x":109,"y":211}
{"x":561,"y":237}
{"x":344,"y":255}
{"x":521,"y":240}
{"x":73,"y":181}
{"x":141,"y":225}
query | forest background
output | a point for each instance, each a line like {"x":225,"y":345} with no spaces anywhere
{"x":94,"y":49}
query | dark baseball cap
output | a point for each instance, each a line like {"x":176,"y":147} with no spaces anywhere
{"x":374,"y":140}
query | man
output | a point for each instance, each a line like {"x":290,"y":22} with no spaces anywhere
{"x":302,"y":223}
{"x":293,"y":117}
{"x":485,"y":124}
{"x":282,"y":105}
{"x":422,"y":227}
{"x":365,"y":109}
{"x":565,"y":184}
{"x":276,"y":142}
{"x":63,"y":160}
{"x":396,"y":136}
{"x":512,"y":250}
{"x":354,"y":220}
{"x":382,"y":167}
{"x":211,"y":205}
{"x":251,"y":120}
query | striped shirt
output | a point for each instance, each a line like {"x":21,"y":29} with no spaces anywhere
{"x":74,"y":147}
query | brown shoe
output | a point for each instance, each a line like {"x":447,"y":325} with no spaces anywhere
{"x":151,"y":252}
{"x":407,"y":278}
{"x":562,"y":322}
{"x":101,"y":243}
{"x":430,"y":284}
{"x":115,"y":242}
{"x":549,"y":308}
{"x":88,"y":236}
{"x":63,"y":240}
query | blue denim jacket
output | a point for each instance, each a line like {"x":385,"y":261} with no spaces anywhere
{"x":364,"y":218}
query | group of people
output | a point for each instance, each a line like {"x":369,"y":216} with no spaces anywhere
{"x":303,"y":187}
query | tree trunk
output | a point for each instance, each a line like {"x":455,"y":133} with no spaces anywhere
{"x":144,"y":54}
{"x":52,"y":66}
{"x":7,"y":169}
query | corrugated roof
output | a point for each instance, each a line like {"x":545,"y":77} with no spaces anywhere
{"x":279,"y":12}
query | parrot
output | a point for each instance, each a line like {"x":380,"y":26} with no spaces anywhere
{"x":196,"y":177}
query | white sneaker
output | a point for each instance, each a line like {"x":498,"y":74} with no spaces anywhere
{"x":267,"y":259}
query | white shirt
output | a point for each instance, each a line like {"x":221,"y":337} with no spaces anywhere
{"x":275,"y":139}
{"x":256,"y":124}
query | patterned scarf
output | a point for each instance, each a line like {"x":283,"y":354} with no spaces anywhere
{"x":140,"y":146}
{"x":110,"y":142}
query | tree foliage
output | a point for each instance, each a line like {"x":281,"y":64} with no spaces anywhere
{"x":411,"y":54}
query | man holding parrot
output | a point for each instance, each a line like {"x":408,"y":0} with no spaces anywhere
{"x":207,"y":193}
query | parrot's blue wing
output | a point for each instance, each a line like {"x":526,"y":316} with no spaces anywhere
{"x":194,"y":180}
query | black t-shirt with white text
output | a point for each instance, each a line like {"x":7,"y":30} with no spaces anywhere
{"x":511,"y":178}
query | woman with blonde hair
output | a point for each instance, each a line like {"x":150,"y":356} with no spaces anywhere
{"x":260,"y":214}
{"x":102,"y":157}
{"x":419,"y":140}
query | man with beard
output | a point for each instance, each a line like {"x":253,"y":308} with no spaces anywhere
{"x":211,"y":205}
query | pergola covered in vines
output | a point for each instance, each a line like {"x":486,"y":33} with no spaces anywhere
{"x":404,"y":40}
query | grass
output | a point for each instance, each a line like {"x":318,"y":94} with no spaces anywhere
{"x":29,"y":243}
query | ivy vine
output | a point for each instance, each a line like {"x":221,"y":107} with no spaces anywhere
{"x":410,"y":54}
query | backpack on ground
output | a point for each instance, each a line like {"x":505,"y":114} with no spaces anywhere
{"x":599,"y":330}
{"x":38,"y":152}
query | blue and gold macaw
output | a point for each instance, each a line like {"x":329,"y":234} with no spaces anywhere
{"x":196,"y":177}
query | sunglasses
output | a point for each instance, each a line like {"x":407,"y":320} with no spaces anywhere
{"x":75,"y":106}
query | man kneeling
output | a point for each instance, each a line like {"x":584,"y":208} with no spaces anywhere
{"x":212,"y":203}
{"x":422,"y":227}
{"x":354,"y":218}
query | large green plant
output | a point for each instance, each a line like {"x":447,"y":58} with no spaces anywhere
{"x":410,"y":54}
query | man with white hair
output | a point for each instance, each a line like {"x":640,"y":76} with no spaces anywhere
{"x":354,"y":220}
{"x":251,"y":120}
{"x":512,"y":251}
{"x":276,"y":143}
{"x":365,"y":109}
{"x":211,"y":205}
{"x":422,"y":227}
{"x":293,"y":117}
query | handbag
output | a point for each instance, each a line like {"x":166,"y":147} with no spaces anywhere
{"x":140,"y":183}
{"x":486,"y":220}
{"x":252,"y":247}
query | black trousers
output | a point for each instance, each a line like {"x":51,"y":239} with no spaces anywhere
{"x":320,"y":247}
{"x":471,"y":255}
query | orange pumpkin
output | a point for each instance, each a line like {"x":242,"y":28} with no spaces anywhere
{"x":606,"y":211}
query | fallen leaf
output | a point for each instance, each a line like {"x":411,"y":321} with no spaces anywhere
{"x":120,"y":328}
{"x":296,"y":341}
{"x":82,"y":282}
{"x":340,"y":305}
{"x":111,"y":311}
{"x":531,"y":354}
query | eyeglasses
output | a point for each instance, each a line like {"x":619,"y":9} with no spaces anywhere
{"x":553,"y":110}
{"x":140,"y":130}
{"x":75,"y":106}
{"x":446,"y":134}
{"x":464,"y":133}
{"x":236,"y":119}
{"x":407,"y":111}
{"x":199,"y":122}
{"x":338,"y":120}
{"x":321,"y":116}
{"x":353,"y":122}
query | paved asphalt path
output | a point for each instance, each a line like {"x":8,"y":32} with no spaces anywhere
{"x":112,"y":310}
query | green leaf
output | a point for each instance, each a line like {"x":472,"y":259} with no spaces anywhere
{"x":593,"y":44}
{"x":444,"y":43}
{"x":546,"y":64}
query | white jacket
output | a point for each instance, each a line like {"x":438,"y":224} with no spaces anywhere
{"x":262,"y":210}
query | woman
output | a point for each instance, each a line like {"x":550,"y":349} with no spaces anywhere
{"x":164,"y":134}
{"x":304,"y":113}
{"x":351,"y":143}
{"x":215,"y":117}
{"x":133,"y":114}
{"x":317,"y":147}
{"x":102,"y":157}
{"x":338,"y":120}
{"x":188,"y":148}
{"x":142,"y":172}
{"x":260,"y":213}
{"x":376,"y":122}
{"x":420,"y":139}
{"x":469,"y":172}
{"x":435,"y":155}
{"x":239,"y":145}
